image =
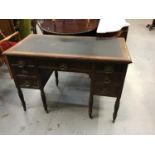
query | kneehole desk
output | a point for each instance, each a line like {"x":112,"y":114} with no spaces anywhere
{"x":33,"y":60}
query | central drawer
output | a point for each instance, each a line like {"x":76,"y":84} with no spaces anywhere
{"x":65,"y":65}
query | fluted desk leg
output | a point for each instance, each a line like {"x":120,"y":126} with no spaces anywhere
{"x":116,"y":107}
{"x":21,"y":98}
{"x":91,"y":101}
{"x":44,"y":100}
{"x":56,"y":77}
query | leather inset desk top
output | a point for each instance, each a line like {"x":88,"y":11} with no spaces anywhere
{"x":71,"y":46}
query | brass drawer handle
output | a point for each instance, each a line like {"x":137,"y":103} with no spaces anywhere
{"x":21,"y":64}
{"x":108,"y":70}
{"x":105,"y":91}
{"x":24,"y":72}
{"x":27,"y":84}
{"x":63,"y":67}
{"x":107,"y":81}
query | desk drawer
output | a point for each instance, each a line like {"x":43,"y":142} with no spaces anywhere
{"x":106,"y":90}
{"x":22,"y":62}
{"x":109,"y":68}
{"x":107,"y":84}
{"x":108,"y":79}
{"x":27,"y":82}
{"x":24,"y":71}
{"x":65,"y":65}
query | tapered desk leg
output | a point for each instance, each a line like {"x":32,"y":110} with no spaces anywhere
{"x":90,"y":104}
{"x":116,"y":107}
{"x":21,"y":98}
{"x":44,"y":100}
{"x":56,"y":77}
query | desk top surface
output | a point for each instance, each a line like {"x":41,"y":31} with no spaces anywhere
{"x":90,"y":48}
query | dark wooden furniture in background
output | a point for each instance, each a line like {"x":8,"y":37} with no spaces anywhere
{"x":7,"y":31}
{"x":33,"y":60}
{"x":150,"y":27}
{"x":78,"y":27}
{"x":5,"y":44}
{"x":7,"y":26}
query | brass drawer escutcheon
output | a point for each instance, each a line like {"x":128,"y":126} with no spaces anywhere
{"x":63,"y":66}
{"x":108,"y":69}
{"x":21,"y":64}
{"x":27,"y":84}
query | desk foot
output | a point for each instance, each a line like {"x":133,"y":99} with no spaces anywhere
{"x":90,"y":116}
{"x":46,"y":111}
{"x":150,"y":27}
{"x":116,"y":107}
{"x":90,"y":106}
{"x":21,"y":98}
{"x":56,"y":77}
{"x":44,"y":100}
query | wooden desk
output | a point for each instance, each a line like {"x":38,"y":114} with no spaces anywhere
{"x":33,"y":60}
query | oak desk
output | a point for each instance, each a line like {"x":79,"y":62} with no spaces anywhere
{"x":33,"y":60}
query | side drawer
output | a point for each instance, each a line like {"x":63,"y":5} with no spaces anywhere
{"x":108,"y":79}
{"x":24,"y":71}
{"x":21,"y":62}
{"x":107,"y":84}
{"x":27,"y":82}
{"x":106,"y":90}
{"x":109,"y":68}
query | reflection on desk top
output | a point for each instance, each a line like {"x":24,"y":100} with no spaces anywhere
{"x":90,"y":48}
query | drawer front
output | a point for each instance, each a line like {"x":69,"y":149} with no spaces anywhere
{"x":109,"y":68}
{"x":27,"y":82}
{"x":108,"y":79}
{"x":107,"y":84}
{"x":22,"y":62}
{"x":80,"y":66}
{"x":23,"y":65}
{"x":106,"y":90}
{"x":24,"y":71}
{"x":65,"y":65}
